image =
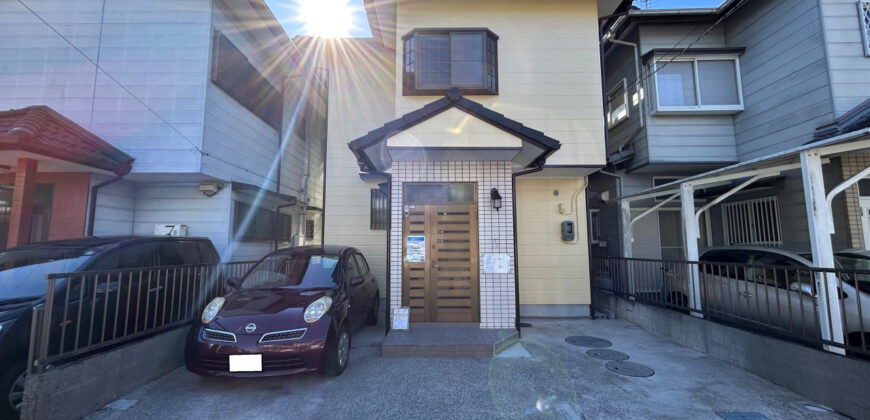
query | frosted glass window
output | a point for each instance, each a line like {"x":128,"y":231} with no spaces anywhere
{"x":718,"y":82}
{"x":675,"y":83}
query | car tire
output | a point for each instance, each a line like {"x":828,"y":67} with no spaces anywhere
{"x":11,"y":380}
{"x":372,"y":317}
{"x":337,"y":352}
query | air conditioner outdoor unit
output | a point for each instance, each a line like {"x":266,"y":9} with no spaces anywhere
{"x":174,"y":229}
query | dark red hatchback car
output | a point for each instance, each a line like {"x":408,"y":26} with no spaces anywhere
{"x":293,"y":312}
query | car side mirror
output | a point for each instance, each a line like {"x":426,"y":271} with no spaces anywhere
{"x":356,"y":281}
{"x":801,"y":288}
{"x":232,"y":284}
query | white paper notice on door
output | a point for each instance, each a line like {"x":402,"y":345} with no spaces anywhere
{"x":415,"y":249}
{"x":497,"y":263}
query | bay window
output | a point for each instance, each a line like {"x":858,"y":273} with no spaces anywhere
{"x":709,"y":85}
{"x":435,"y":60}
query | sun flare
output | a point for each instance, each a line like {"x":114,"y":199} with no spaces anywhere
{"x":326,"y":18}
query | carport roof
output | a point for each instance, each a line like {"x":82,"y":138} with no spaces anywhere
{"x":43,"y":131}
{"x":453,"y":99}
{"x":771,"y":164}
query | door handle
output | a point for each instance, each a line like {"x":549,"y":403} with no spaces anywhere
{"x":435,"y":265}
{"x":745,"y":294}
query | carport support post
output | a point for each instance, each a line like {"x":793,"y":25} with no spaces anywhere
{"x":627,"y":239}
{"x":690,"y":239}
{"x":818,"y":218}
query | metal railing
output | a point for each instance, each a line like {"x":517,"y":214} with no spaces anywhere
{"x":85,"y":312}
{"x":780,"y":301}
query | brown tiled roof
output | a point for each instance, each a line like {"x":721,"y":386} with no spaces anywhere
{"x":41,"y":130}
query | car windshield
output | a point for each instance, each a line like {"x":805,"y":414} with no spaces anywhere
{"x":29,"y":280}
{"x":298,"y":271}
{"x":15,"y":258}
{"x":855,"y":262}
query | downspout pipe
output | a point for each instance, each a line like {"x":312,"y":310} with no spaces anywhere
{"x":539,"y":166}
{"x":387,"y":310}
{"x":92,"y":206}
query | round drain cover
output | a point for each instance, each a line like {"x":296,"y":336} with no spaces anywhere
{"x":588,"y":341}
{"x":607,"y":354}
{"x":623,"y":367}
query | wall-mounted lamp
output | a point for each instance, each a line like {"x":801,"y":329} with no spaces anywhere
{"x":496,"y":198}
{"x":209,"y":189}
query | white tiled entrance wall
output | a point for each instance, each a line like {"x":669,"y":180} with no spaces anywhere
{"x":495,"y":229}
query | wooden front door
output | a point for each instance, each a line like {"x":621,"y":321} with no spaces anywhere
{"x":440,"y":284}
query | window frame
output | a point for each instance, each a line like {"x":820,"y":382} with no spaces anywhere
{"x":864,"y":23}
{"x":379,"y":201}
{"x":594,"y":226}
{"x":611,"y":94}
{"x":411,"y":57}
{"x":699,"y":108}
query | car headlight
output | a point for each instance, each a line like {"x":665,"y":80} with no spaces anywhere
{"x":317,"y":309}
{"x":212,"y":309}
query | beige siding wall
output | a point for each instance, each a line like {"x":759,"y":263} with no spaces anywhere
{"x":552,"y":272}
{"x":361,"y":98}
{"x":548,"y":65}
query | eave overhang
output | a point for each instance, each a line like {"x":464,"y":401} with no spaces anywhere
{"x":369,"y":149}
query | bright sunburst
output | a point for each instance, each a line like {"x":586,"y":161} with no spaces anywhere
{"x":326,"y":18}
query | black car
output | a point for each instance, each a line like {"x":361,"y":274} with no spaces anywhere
{"x":23,"y":286}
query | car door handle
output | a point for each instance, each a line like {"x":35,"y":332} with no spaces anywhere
{"x":745,"y":294}
{"x":156,"y":289}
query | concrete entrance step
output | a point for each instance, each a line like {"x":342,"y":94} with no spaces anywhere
{"x":447,"y":341}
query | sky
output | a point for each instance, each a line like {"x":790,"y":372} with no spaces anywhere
{"x":288,"y":12}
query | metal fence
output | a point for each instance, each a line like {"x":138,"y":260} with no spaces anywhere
{"x":85,"y":312}
{"x":776,"y":300}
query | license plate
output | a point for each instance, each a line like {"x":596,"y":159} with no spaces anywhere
{"x":246,"y":363}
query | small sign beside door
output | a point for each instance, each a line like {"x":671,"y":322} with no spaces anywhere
{"x":496,"y":263}
{"x":400,"y":318}
{"x":415,"y":249}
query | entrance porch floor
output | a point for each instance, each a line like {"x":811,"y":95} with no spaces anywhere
{"x":560,"y":380}
{"x":446,"y":341}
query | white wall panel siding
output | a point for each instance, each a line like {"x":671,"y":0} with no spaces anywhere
{"x":183,"y":203}
{"x":784,"y":76}
{"x":848,"y":64}
{"x":116,"y":207}
{"x":156,"y":49}
{"x":362,"y":97}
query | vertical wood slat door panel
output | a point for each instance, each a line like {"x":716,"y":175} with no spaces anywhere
{"x":453,"y":284}
{"x":415,"y":291}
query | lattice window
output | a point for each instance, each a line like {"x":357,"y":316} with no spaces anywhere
{"x":752,"y":222}
{"x":864,"y":15}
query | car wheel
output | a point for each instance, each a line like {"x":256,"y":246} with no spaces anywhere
{"x":372,"y":318}
{"x":12,"y":384}
{"x":337,"y":352}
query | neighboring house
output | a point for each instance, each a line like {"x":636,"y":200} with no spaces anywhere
{"x":460,"y":138}
{"x":726,"y":86}
{"x":127,"y":116}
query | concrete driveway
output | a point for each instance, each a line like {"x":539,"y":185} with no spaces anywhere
{"x":550,"y":379}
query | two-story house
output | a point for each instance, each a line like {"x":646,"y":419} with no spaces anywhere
{"x":157,"y":118}
{"x":726,"y":97}
{"x":459,"y":144}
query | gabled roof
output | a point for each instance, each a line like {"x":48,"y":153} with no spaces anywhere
{"x":453,"y":99}
{"x":41,"y":130}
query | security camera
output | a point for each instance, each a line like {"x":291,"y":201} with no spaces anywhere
{"x":209,"y":189}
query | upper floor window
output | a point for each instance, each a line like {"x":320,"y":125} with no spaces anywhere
{"x":697,"y":85}
{"x":234,"y":74}
{"x":864,"y":15}
{"x":435,"y":60}
{"x":617,"y":104}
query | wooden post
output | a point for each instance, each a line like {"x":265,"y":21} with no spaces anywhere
{"x":21,"y":216}
{"x":818,"y":218}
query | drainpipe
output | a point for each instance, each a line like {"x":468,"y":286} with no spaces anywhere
{"x":92,"y":210}
{"x":387,"y":319}
{"x":539,"y":166}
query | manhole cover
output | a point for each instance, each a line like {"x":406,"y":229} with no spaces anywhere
{"x":607,"y":354}
{"x":525,"y":325}
{"x":588,"y":341}
{"x":623,"y":367}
